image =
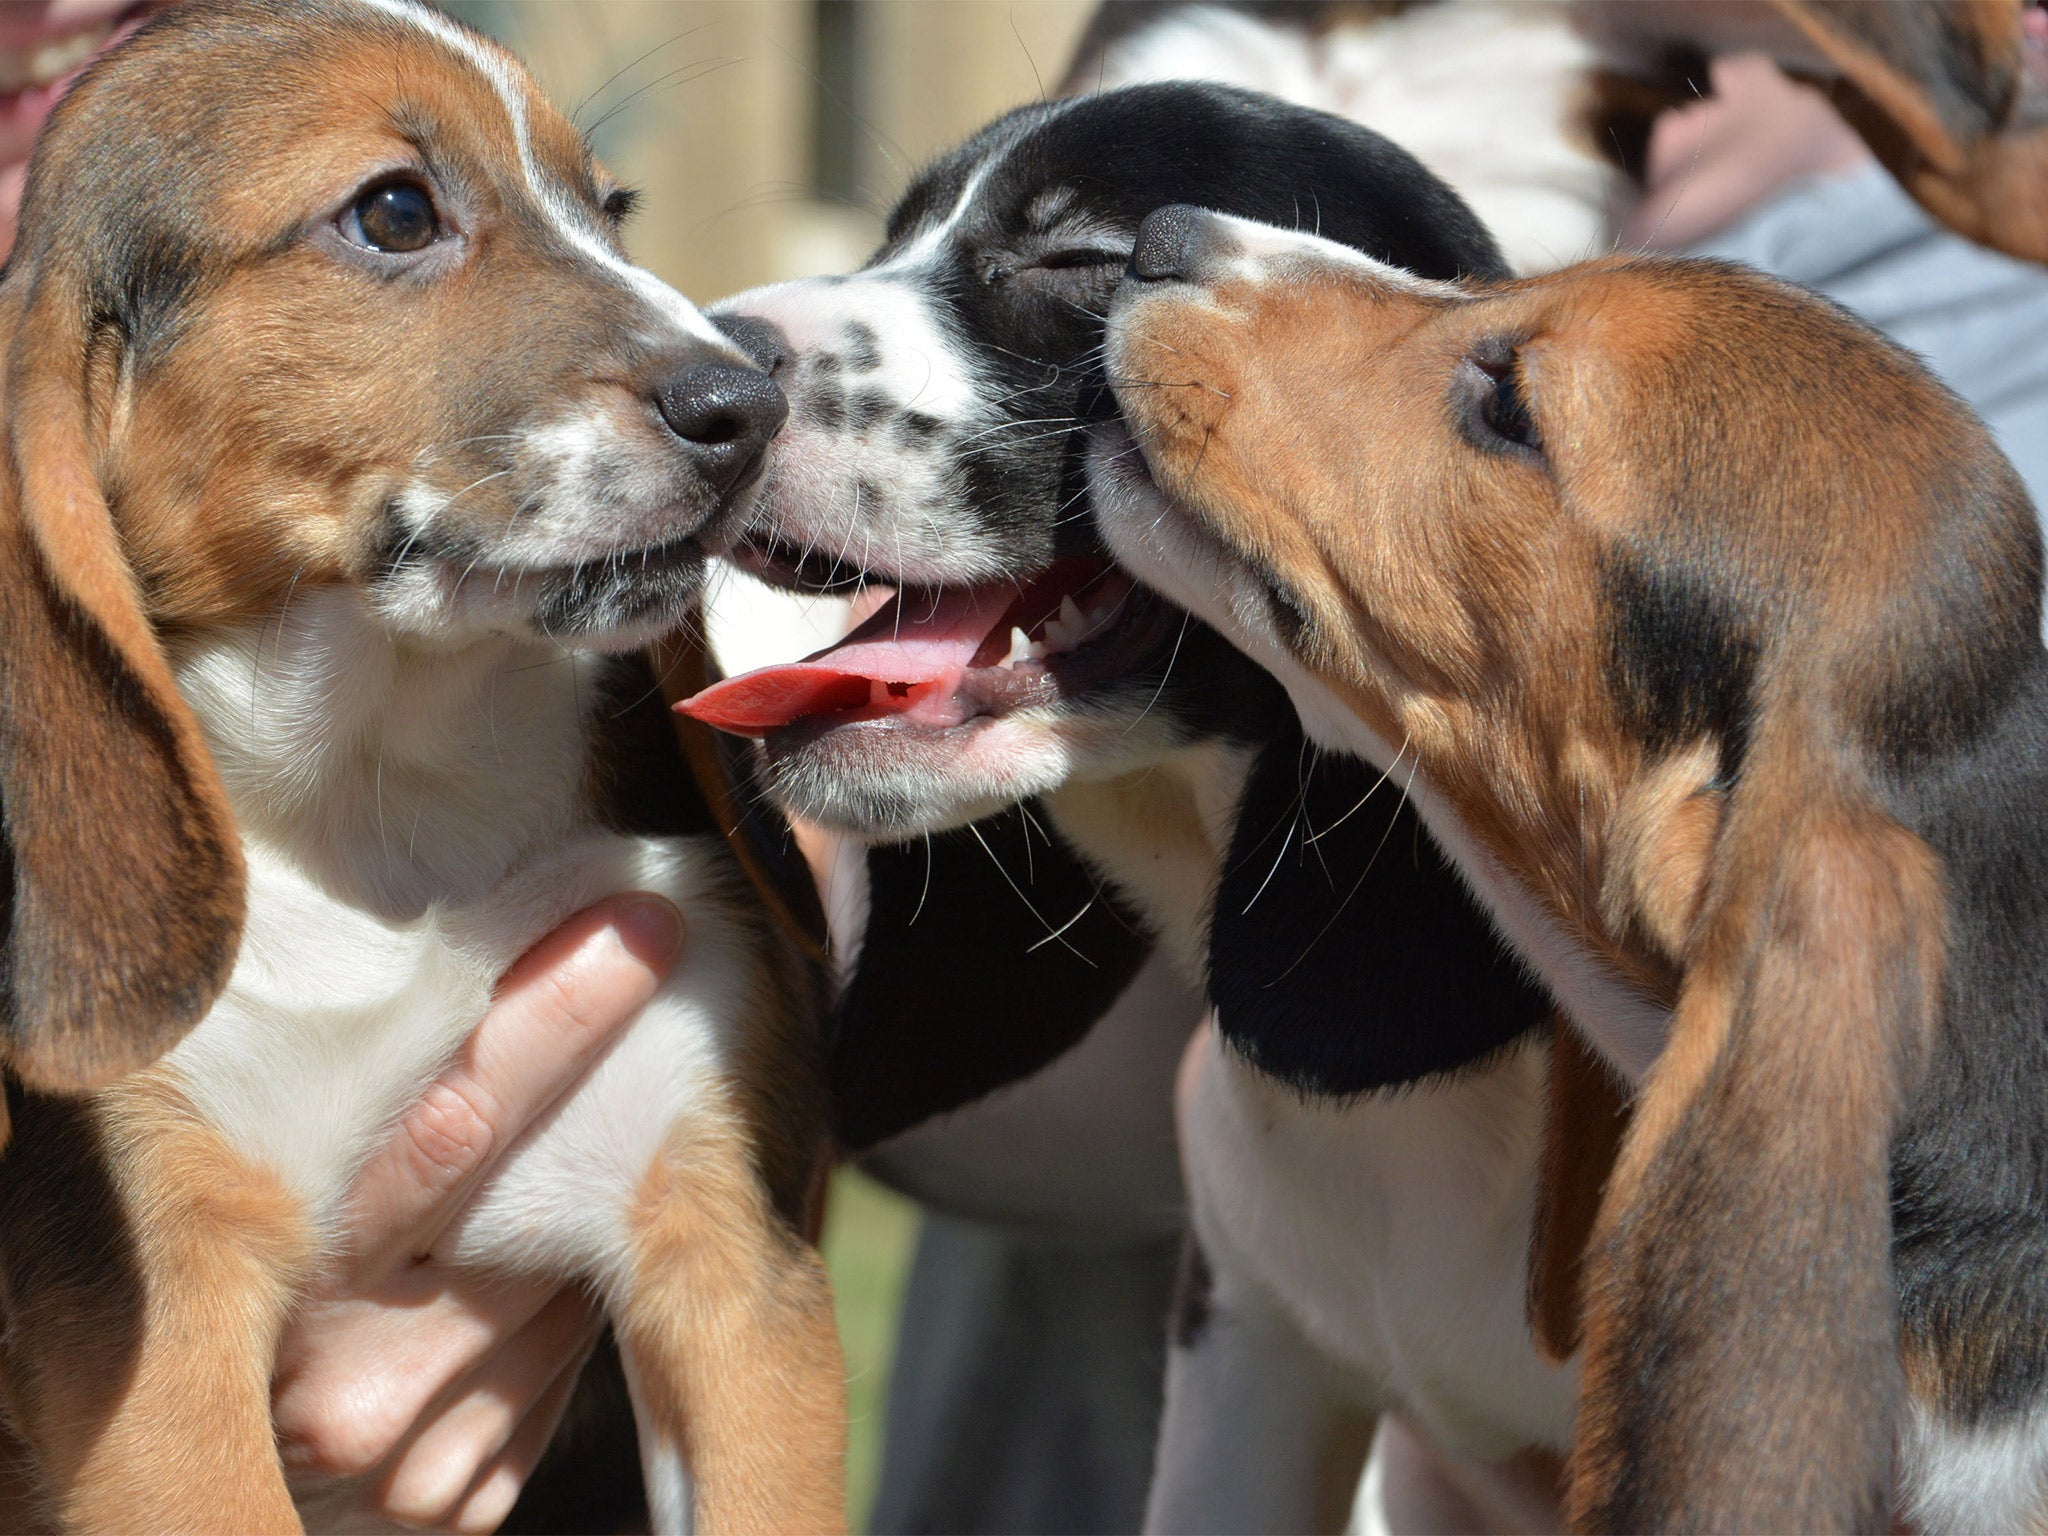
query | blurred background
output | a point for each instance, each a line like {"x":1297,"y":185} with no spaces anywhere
{"x":769,"y":138}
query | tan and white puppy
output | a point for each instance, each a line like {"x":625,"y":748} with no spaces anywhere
{"x":349,"y":465}
{"x":1708,"y":624}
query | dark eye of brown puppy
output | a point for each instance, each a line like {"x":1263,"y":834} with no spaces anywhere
{"x":393,"y":216}
{"x":619,"y":204}
{"x":1493,"y":373}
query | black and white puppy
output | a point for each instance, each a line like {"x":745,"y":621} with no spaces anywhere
{"x":934,"y":447}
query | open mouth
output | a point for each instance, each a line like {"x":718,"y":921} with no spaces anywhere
{"x":935,"y":659}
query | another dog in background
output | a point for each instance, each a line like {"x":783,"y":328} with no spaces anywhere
{"x":1540,"y":111}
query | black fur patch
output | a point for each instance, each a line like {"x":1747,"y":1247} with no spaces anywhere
{"x":1970,"y":1163}
{"x":956,"y":995}
{"x":1682,"y":660}
{"x":144,"y":285}
{"x":867,"y":409}
{"x":638,"y":780}
{"x":863,"y":349}
{"x":1344,"y":953}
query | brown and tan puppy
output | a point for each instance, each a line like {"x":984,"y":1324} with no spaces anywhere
{"x":1706,"y":623}
{"x":349,"y":468}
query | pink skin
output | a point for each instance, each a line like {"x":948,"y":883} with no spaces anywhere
{"x":1713,"y":161}
{"x":26,"y":26}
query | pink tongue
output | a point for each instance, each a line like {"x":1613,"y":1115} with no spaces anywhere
{"x":887,"y":664}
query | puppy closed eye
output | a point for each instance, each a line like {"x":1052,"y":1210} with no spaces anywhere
{"x":1061,"y":261}
{"x":1493,"y":395}
{"x":394,"y":217}
{"x":1072,"y":268}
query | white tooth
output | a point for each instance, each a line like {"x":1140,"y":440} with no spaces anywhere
{"x":1039,"y":652}
{"x":1070,"y":615}
{"x":1021,"y":648}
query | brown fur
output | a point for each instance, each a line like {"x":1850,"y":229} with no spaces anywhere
{"x":1584,"y":1120}
{"x":736,"y":1315}
{"x":1657,"y":672}
{"x":207,"y":412}
{"x":1942,"y":95}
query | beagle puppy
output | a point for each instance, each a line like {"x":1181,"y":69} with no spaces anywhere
{"x":939,"y":402}
{"x":350,"y":466}
{"x":1702,"y":627}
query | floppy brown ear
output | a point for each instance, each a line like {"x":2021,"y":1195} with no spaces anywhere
{"x":120,"y":867}
{"x":1941,"y":94}
{"x":1741,"y":1366}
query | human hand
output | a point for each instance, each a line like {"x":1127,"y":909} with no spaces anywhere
{"x":440,"y":1389}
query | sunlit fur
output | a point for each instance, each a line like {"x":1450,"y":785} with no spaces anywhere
{"x":1722,"y":681}
{"x":392,"y":521}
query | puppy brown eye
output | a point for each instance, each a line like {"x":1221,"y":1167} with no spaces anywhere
{"x":1507,"y":412}
{"x":1497,"y":403}
{"x":394,"y":216}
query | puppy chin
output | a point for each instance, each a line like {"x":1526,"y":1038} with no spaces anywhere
{"x":606,"y":608}
{"x":1155,"y":539}
{"x":884,"y":783}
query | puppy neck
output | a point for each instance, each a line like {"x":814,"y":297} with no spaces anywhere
{"x":397,"y":776}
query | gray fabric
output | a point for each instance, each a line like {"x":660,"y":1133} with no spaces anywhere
{"x":1978,"y":318}
{"x":1025,"y":1394}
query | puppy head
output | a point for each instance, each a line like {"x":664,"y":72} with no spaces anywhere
{"x":302,"y":295}
{"x":934,"y":444}
{"x":1566,"y":541}
{"x":359,"y":314}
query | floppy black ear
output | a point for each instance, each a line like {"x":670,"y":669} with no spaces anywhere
{"x":960,"y":987}
{"x":121,"y":870}
{"x":1344,"y":953}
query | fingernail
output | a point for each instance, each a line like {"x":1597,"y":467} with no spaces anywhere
{"x":651,"y":928}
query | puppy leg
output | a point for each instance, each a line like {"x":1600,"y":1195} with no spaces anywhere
{"x":1258,"y":1434}
{"x":142,"y":1325}
{"x":729,"y":1341}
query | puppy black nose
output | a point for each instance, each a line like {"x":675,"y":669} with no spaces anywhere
{"x":725,"y":414}
{"x":762,"y":340}
{"x":1172,"y":243}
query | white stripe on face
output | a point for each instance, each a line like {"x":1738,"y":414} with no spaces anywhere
{"x":933,"y":240}
{"x":563,"y":213}
{"x":1269,"y":242}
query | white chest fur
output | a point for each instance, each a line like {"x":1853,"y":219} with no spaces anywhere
{"x":414,"y":822}
{"x":1393,"y":1232}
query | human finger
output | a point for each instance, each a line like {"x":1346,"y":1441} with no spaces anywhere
{"x":555,"y":1010}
